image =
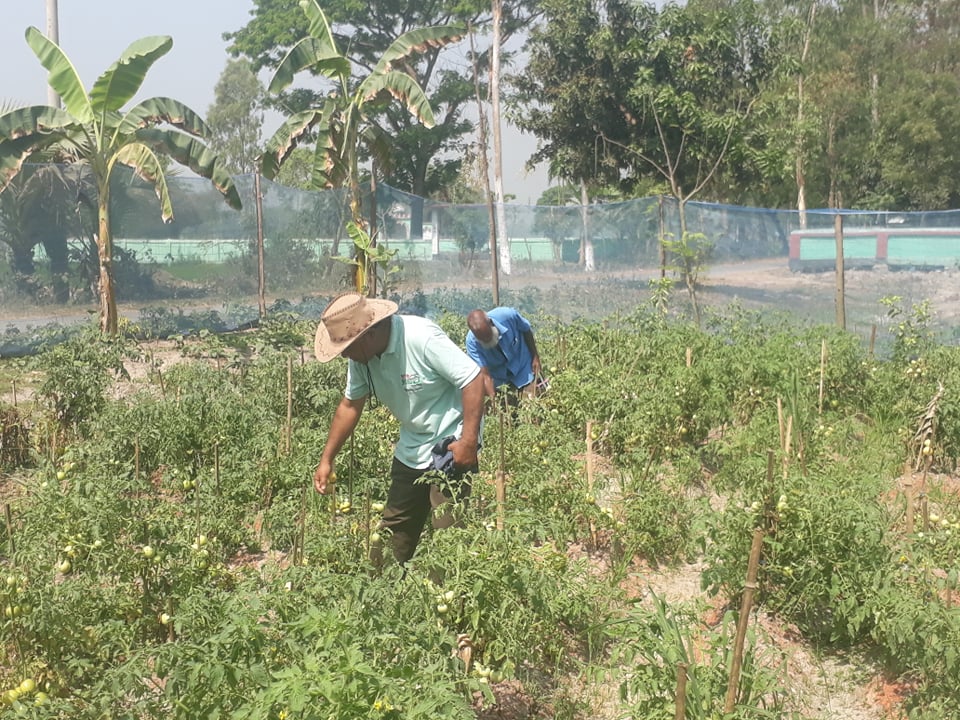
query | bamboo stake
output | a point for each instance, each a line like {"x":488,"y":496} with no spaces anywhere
{"x":216,"y":467}
{"x":924,"y":508}
{"x":689,"y":357}
{"x":8,"y":517}
{"x":749,"y":588}
{"x":873,"y":338}
{"x":13,"y":387}
{"x":289,"y":428}
{"x":501,"y":476}
{"x":681,"y":697}
{"x":298,"y":543}
{"x":593,"y":528}
{"x":171,"y":632}
{"x":788,"y":445}
{"x":136,"y":459}
{"x":908,"y":491}
{"x":823,"y":371}
{"x":780,"y":422}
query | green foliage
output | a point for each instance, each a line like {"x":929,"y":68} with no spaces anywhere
{"x":912,"y":334}
{"x":77,"y":374}
{"x":651,"y":644}
{"x":177,"y":538}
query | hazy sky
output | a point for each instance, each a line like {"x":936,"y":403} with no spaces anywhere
{"x":93,"y":34}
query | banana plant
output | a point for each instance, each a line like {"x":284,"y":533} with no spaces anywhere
{"x":343,"y":124}
{"x":91,"y":129}
{"x":368,"y":257}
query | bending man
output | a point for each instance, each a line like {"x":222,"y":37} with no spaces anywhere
{"x":501,"y":342}
{"x":427,"y":382}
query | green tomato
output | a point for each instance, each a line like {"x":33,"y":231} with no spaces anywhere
{"x":148,"y":552}
{"x":28,"y":686}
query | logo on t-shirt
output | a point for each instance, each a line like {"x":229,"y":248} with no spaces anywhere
{"x":412,"y":382}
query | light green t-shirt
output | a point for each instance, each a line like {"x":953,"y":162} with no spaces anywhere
{"x":419,"y":378}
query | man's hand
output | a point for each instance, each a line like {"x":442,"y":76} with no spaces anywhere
{"x":464,"y":453}
{"x":324,"y":478}
{"x":535,"y":366}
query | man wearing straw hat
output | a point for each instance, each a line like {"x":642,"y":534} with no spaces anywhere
{"x":429,"y":384}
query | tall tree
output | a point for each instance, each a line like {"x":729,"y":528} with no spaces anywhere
{"x":236,"y":117}
{"x":94,"y":132}
{"x":344,"y":123}
{"x":425,"y":159}
{"x":572,"y":90}
{"x":38,"y":207}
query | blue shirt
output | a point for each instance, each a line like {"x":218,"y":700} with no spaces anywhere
{"x":510,"y":361}
{"x":419,"y":377}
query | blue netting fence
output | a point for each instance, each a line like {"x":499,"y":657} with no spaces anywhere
{"x":572,"y":261}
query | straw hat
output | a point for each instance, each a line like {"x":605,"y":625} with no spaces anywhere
{"x":345,"y":319}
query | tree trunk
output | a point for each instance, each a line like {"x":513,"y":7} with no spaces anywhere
{"x":840,"y":291}
{"x":56,"y":248}
{"x":485,"y":174}
{"x":586,"y":242}
{"x":108,"y":302}
{"x":21,"y":261}
{"x":800,"y":148}
{"x":374,"y":226}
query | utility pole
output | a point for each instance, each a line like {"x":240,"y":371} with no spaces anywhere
{"x":53,"y":35}
{"x":504,"y":242}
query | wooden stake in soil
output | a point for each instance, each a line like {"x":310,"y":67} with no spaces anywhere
{"x":136,"y":459}
{"x":873,"y":338}
{"x":823,"y":371}
{"x":501,"y":477}
{"x":689,"y":357}
{"x":8,"y":517}
{"x":783,"y":433}
{"x":289,"y":428}
{"x":216,"y":467}
{"x":13,"y":389}
{"x":921,"y":495}
{"x":908,"y":491}
{"x":681,"y":697}
{"x":593,"y":527}
{"x":297,"y":554}
{"x":749,"y":588}
{"x":788,"y":446}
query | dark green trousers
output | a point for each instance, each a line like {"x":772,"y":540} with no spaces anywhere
{"x":410,"y":503}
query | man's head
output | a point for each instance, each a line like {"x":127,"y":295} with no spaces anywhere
{"x":483,"y":328}
{"x":351,"y":325}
